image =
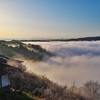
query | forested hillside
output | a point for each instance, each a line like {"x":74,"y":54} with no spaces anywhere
{"x":28,"y":51}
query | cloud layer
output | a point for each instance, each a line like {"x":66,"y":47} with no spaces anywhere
{"x":74,"y":61}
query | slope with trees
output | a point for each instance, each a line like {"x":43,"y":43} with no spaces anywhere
{"x":42,"y":87}
{"x":21,"y":50}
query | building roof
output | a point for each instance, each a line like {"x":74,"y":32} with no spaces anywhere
{"x":6,"y":68}
{"x":18,"y":61}
{"x":3,"y":60}
{"x":3,"y":56}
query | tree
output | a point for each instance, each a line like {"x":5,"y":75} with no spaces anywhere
{"x":92,"y":89}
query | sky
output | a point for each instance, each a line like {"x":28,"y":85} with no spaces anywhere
{"x":49,"y":18}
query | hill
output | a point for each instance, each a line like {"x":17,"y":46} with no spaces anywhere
{"x":42,"y":87}
{"x":66,"y":40}
{"x":14,"y":95}
{"x":21,"y":79}
{"x":17,"y":49}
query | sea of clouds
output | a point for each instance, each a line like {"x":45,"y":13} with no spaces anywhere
{"x":74,"y":61}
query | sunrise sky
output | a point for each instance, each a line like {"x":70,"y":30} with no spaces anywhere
{"x":49,"y":18}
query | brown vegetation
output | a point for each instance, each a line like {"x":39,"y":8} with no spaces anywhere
{"x":92,"y":89}
{"x":42,"y":87}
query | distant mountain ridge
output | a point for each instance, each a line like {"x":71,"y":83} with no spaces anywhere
{"x":85,"y":39}
{"x":67,"y":40}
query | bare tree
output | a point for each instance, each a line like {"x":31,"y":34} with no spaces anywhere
{"x":92,"y":89}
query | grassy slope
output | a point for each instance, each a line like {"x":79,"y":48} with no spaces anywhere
{"x":10,"y":95}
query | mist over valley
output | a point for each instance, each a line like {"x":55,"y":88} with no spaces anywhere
{"x":73,"y":61}
{"x":61,"y":62}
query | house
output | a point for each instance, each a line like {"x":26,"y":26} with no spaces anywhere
{"x":7,"y":70}
{"x":4,"y":76}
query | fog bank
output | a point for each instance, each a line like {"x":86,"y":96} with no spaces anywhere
{"x":74,"y":61}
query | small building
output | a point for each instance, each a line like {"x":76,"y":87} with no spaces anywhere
{"x":5,"y":71}
{"x":4,"y":75}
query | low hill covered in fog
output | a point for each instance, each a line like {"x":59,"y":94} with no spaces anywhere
{"x":28,"y":51}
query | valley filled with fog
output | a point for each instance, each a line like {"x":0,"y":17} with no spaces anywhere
{"x":72,"y":61}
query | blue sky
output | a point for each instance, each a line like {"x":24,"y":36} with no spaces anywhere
{"x":49,"y":18}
